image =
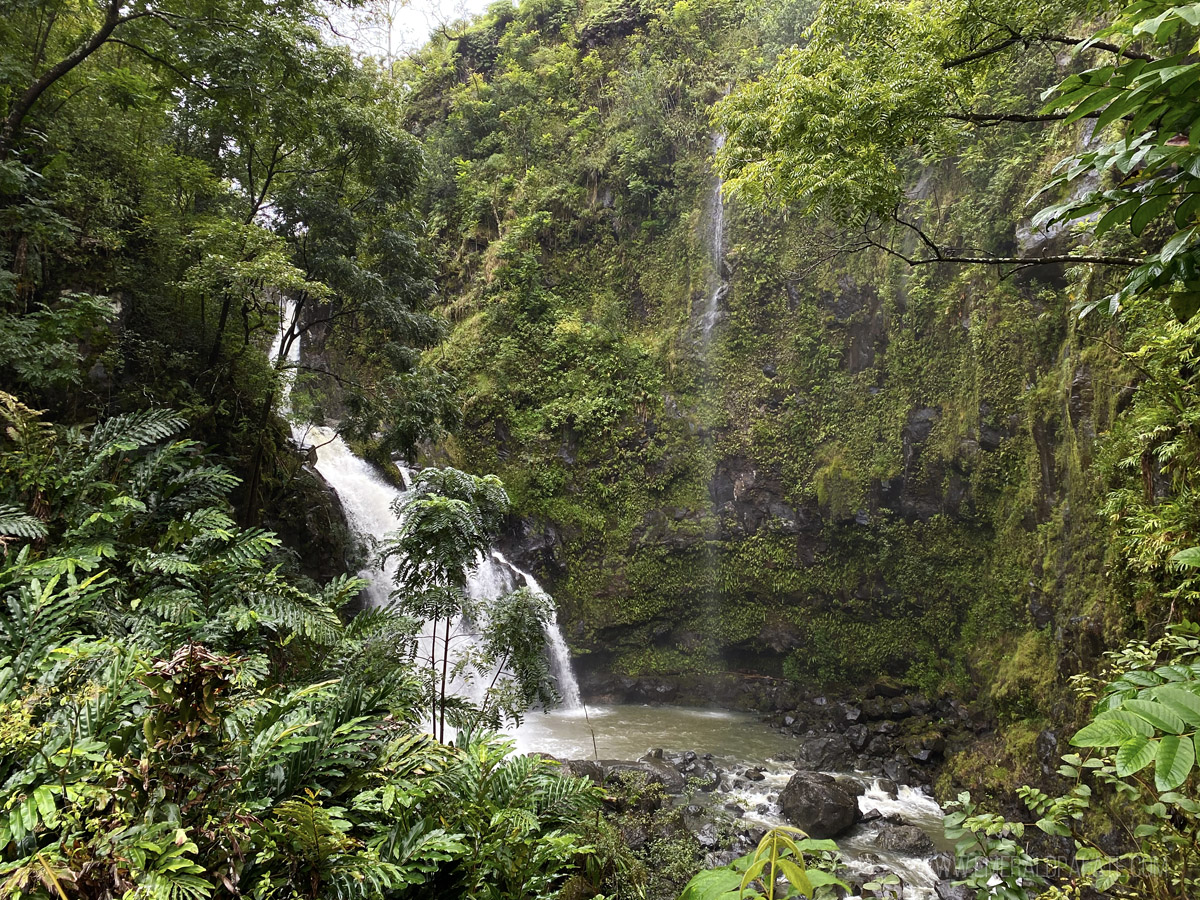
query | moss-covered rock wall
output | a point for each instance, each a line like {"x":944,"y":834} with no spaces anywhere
{"x":865,"y":470}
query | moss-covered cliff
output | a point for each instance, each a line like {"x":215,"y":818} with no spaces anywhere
{"x":864,"y":470}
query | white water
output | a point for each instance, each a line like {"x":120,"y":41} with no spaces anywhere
{"x":737,"y":741}
{"x":494,"y":576}
{"x":712,"y":310}
{"x":369,"y":500}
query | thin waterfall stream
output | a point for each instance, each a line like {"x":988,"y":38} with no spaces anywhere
{"x":716,"y":247}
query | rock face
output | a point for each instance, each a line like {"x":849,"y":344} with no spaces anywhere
{"x":819,"y":805}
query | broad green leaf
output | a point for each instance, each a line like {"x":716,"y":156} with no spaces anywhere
{"x":1173,"y":764}
{"x":1157,"y":714}
{"x":1148,"y":212}
{"x":1188,"y":557}
{"x":1110,"y":729}
{"x":1135,"y":754}
{"x":1119,"y":213}
{"x":1180,"y":701}
{"x":796,"y":876}
{"x":1093,"y":103}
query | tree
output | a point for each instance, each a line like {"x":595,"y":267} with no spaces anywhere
{"x":181,"y":718}
{"x":1147,"y":172}
{"x":448,"y":521}
{"x":839,"y":126}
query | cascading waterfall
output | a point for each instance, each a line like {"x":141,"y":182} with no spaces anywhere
{"x":560,"y":656}
{"x":712,"y":309}
{"x":494,"y":576}
{"x":368,"y":501}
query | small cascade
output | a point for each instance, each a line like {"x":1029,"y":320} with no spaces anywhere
{"x":712,"y":310}
{"x":494,"y":576}
{"x":368,"y":500}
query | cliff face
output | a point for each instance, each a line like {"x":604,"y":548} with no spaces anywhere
{"x":735,"y":441}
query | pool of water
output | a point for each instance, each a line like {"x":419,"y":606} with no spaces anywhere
{"x":736,"y":741}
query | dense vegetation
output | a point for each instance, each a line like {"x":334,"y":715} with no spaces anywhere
{"x":749,"y":307}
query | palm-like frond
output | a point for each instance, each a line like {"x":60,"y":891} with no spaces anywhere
{"x":15,"y":522}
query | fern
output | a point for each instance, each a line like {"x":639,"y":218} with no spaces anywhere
{"x":131,"y":431}
{"x":15,"y":522}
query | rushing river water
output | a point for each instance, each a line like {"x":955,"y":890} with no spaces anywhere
{"x":737,"y":741}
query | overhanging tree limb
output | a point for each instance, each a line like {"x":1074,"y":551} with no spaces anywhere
{"x":1024,"y":40}
{"x":113,"y":19}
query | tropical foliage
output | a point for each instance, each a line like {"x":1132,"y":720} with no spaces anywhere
{"x":179,"y":718}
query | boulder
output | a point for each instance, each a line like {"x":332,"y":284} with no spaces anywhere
{"x":584,"y":768}
{"x":907,"y":839}
{"x":826,"y":752}
{"x":655,"y":771}
{"x":702,"y":772}
{"x":817,"y":804}
{"x":945,"y":890}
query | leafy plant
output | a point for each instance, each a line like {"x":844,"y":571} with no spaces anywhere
{"x":778,"y":856}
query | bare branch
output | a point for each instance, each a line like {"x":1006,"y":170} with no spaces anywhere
{"x":1045,"y":39}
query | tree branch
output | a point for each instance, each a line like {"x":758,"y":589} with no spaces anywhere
{"x":1046,"y":39}
{"x":985,"y":119}
{"x":21,"y":106}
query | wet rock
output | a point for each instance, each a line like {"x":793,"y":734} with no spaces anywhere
{"x":1047,"y":751}
{"x":899,"y":708}
{"x":755,"y":774}
{"x":907,"y":839}
{"x":858,"y":736}
{"x":826,"y":752}
{"x":875,"y":708}
{"x":944,"y":867}
{"x":584,"y":768}
{"x":888,"y":787}
{"x":708,"y":838}
{"x":819,"y":805}
{"x":653,"y":770}
{"x":720,"y":858}
{"x":734,"y":810}
{"x":946,"y":890}
{"x":634,"y":837}
{"x":851,"y":784}
{"x":901,"y":773}
{"x":700,"y":772}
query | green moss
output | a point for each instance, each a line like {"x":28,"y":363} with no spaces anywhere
{"x":576,"y":185}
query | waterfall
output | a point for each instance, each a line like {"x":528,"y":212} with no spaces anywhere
{"x":712,"y":309}
{"x":368,"y":500}
{"x":560,"y":656}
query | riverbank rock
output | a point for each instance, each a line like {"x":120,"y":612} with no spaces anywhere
{"x":907,"y":839}
{"x":819,"y":805}
{"x":945,"y":890}
{"x":655,"y":771}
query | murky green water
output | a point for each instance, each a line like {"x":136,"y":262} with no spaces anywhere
{"x":735,"y":740}
{"x":627,"y":732}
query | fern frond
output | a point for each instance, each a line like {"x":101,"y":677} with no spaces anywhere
{"x":131,"y":431}
{"x":15,"y":522}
